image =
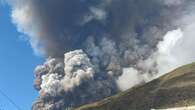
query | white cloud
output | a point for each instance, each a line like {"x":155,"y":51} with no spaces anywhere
{"x":173,"y":2}
{"x":129,"y":78}
{"x":22,"y":17}
{"x":166,"y":56}
{"x":51,"y":84}
{"x":98,"y":13}
{"x":77,"y":69}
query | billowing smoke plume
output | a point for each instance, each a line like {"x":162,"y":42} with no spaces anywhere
{"x":76,"y":82}
{"x":96,"y":48}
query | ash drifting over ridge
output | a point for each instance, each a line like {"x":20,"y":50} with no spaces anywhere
{"x":117,"y":38}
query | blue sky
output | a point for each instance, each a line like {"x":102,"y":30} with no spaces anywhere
{"x":17,"y":62}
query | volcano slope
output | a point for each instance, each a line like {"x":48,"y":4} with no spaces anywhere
{"x":175,"y":89}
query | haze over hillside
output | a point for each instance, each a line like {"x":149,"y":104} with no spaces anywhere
{"x":175,"y":89}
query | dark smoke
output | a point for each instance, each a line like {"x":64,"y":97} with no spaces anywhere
{"x":65,"y":25}
{"x":112,"y":35}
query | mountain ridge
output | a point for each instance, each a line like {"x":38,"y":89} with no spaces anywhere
{"x":174,"y":89}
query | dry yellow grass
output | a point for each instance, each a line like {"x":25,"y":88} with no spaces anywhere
{"x":175,"y":89}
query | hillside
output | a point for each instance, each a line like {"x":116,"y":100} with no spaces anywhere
{"x":175,"y":89}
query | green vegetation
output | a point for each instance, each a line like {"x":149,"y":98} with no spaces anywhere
{"x":174,"y":89}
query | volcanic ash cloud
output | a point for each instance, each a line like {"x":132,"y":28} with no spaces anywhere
{"x":109,"y":45}
{"x":77,"y":77}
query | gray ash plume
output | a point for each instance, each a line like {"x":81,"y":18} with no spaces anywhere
{"x":92,"y":46}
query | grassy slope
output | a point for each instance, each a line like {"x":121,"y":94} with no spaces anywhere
{"x":174,"y":89}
